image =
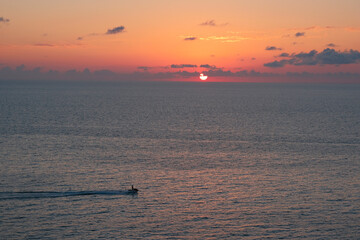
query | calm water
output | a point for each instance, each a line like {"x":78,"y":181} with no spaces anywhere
{"x":211,"y":161}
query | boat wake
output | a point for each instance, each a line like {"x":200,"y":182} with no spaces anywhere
{"x":41,"y":194}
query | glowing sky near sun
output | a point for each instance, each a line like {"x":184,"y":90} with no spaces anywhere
{"x":226,"y":38}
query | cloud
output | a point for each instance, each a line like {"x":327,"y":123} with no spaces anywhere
{"x":318,"y":28}
{"x":105,"y":73}
{"x":144,"y":68}
{"x":115,"y":30}
{"x":190,"y":38}
{"x":330,"y":56}
{"x":238,"y":74}
{"x":208,"y":23}
{"x":327,"y":57}
{"x":90,"y":35}
{"x":20,"y":68}
{"x":56,"y":44}
{"x":331,"y":45}
{"x":212,"y":23}
{"x":299,"y":34}
{"x":43,"y":45}
{"x":276,"y":64}
{"x":183,"y":66}
{"x":224,"y":39}
{"x":314,"y":28}
{"x":284,"y":55}
{"x":4,"y":20}
{"x":219,"y":73}
{"x":208,"y":66}
{"x":272,"y":48}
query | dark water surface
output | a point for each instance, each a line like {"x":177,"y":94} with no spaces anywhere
{"x":211,"y":161}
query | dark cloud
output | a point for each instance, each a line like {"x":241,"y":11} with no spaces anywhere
{"x":284,"y":55}
{"x":244,"y":73}
{"x":330,"y":56}
{"x":21,"y":73}
{"x":4,"y":20}
{"x":327,"y":57}
{"x":147,"y":76}
{"x":209,"y":23}
{"x":299,"y":34}
{"x":272,"y":48}
{"x":144,"y":68}
{"x":90,"y":35}
{"x":105,"y":73}
{"x":86,"y":71}
{"x":190,"y":38}
{"x":219,"y":73}
{"x":276,"y":64}
{"x":208,"y":66}
{"x":183,"y":66}
{"x":115,"y":30}
{"x":339,"y":75}
{"x":331,"y":45}
{"x":303,"y":58}
{"x":56,"y":45}
{"x":43,"y":45}
{"x":212,"y":23}
{"x":20,"y":68}
{"x":71,"y":72}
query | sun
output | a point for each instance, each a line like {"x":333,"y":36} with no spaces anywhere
{"x":203,"y":77}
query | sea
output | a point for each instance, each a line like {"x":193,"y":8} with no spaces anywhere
{"x":210,"y":160}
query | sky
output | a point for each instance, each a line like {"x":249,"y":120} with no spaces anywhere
{"x":162,"y":40}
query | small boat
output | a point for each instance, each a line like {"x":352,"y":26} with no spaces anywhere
{"x":133,"y":190}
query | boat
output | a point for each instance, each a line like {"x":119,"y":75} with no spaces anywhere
{"x":133,"y":190}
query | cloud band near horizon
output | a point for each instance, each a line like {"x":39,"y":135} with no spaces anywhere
{"x":328,"y":56}
{"x":35,"y":74}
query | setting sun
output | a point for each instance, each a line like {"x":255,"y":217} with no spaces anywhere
{"x":203,"y":77}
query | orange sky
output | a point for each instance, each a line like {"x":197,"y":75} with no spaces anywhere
{"x":227,"y":35}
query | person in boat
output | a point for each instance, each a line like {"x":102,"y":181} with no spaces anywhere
{"x":133,"y":190}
